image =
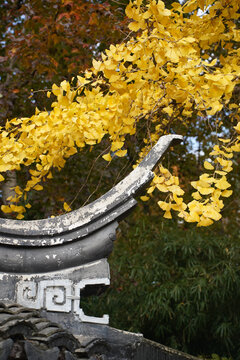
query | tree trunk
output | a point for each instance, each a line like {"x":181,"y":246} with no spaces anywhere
{"x":8,"y":187}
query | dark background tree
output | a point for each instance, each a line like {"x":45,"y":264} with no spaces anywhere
{"x":176,"y":284}
{"x":43,"y":42}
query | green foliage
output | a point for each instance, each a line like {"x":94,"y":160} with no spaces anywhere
{"x":176,"y":285}
{"x":216,"y":357}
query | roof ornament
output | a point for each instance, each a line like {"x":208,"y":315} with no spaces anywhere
{"x":47,"y":264}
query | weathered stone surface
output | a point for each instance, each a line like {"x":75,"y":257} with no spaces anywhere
{"x":147,"y":349}
{"x":25,"y":335}
{"x":59,"y":291}
{"x":33,"y":353}
{"x":70,"y":356}
{"x":31,"y":259}
{"x":5,"y":349}
{"x":16,"y":319}
{"x":45,"y":340}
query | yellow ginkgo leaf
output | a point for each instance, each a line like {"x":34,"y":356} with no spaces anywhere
{"x":65,"y":85}
{"x":162,"y":187}
{"x":107,"y":157}
{"x":212,"y":214}
{"x":192,"y":217}
{"x":18,"y":190}
{"x":170,"y":181}
{"x":236,"y":148}
{"x":227,"y":168}
{"x":17,"y":208}
{"x":227,"y":155}
{"x":167,"y":215}
{"x":177,"y":199}
{"x":224,"y":140}
{"x":216,"y":194}
{"x":66,"y":207}
{"x":158,"y":179}
{"x":176,"y":190}
{"x":144,"y":198}
{"x":121,"y":153}
{"x":222,"y":184}
{"x":96,"y":64}
{"x":164,"y":170}
{"x":204,"y":183}
{"x":151,"y":189}
{"x":38,"y":187}
{"x":205,"y":221}
{"x":6,"y":209}
{"x":117,"y":145}
{"x":208,"y":166}
{"x":205,"y":191}
{"x":226,"y":193}
{"x":135,"y":26}
{"x":164,"y":205}
{"x":224,"y":162}
{"x":168,"y":110}
{"x":237,"y":128}
{"x":196,"y":195}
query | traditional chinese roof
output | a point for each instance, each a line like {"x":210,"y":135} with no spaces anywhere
{"x":25,"y":335}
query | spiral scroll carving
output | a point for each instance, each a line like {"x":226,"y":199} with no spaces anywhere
{"x":59,"y":296}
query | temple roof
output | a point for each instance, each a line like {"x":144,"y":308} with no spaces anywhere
{"x":26,"y":335}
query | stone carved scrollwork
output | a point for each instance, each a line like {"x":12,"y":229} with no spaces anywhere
{"x":49,"y":294}
{"x":59,"y":296}
{"x":77,"y":309}
{"x":56,"y":295}
{"x":28,"y":294}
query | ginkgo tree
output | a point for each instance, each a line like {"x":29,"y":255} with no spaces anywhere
{"x":176,"y":67}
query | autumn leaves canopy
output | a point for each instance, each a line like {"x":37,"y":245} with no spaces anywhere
{"x":168,"y":71}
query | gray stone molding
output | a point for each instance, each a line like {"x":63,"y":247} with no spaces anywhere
{"x":32,"y":259}
{"x":59,"y":291}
